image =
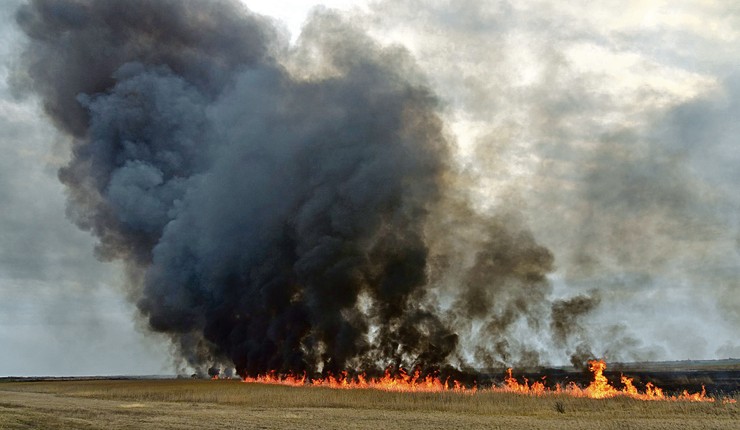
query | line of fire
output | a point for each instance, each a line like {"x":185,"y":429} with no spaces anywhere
{"x":400,"y":380}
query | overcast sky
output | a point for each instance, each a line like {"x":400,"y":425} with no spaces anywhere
{"x":612,"y":129}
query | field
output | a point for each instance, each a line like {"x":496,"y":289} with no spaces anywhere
{"x":224,"y":404}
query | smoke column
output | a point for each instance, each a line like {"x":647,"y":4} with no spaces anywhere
{"x":298,"y":217}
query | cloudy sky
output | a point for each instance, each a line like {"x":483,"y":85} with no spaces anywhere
{"x":611,"y":129}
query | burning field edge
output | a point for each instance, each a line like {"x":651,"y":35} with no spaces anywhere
{"x":599,"y":386}
{"x":695,"y":381}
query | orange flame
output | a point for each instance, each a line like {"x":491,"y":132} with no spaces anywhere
{"x":511,"y":384}
{"x":273,"y":378}
{"x":400,"y":381}
{"x":599,"y":388}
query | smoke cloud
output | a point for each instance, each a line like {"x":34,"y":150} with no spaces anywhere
{"x":289,"y":208}
{"x":611,"y":135}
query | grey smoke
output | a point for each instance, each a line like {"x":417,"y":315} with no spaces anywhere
{"x":274,"y":216}
{"x":630,"y":183}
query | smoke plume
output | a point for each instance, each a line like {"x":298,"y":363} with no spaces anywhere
{"x":289,"y":208}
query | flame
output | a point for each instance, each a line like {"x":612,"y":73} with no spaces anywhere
{"x":390,"y":381}
{"x":511,"y":384}
{"x":600,"y":388}
{"x":400,"y":380}
{"x":273,"y":378}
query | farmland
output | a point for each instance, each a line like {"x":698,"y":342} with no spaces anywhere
{"x":185,"y":403}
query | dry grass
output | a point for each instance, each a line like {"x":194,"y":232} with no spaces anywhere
{"x":231,"y":404}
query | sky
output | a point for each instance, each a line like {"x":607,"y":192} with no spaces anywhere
{"x":611,"y":129}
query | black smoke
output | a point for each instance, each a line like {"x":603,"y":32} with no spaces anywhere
{"x":566,"y":327}
{"x":272,"y":216}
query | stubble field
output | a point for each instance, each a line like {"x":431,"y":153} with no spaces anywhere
{"x":187,"y":404}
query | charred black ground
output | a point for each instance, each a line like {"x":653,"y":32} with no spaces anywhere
{"x":281,"y":219}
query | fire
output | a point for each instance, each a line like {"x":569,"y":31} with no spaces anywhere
{"x":390,"y":381}
{"x":401,"y":381}
{"x":273,"y":378}
{"x":600,"y":388}
{"x":511,"y":384}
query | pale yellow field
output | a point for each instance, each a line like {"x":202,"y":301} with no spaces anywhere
{"x":187,"y":404}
